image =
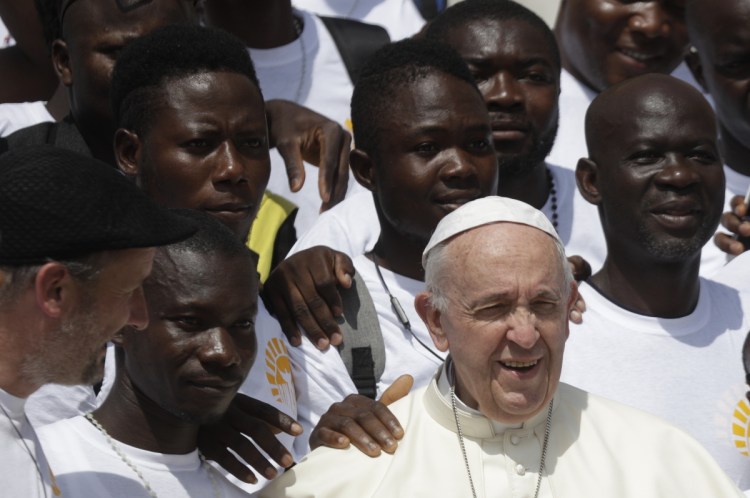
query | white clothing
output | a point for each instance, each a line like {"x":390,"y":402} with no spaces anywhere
{"x":737,"y":183}
{"x":597,"y":448}
{"x":321,"y":378}
{"x":20,"y":455}
{"x":53,"y":402}
{"x":14,"y":116}
{"x":400,"y":18}
{"x":87,"y":466}
{"x":313,"y":64}
{"x":270,"y":380}
{"x":686,"y":370}
{"x":352,"y":226}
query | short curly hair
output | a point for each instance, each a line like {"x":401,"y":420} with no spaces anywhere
{"x":147,"y":65}
{"x":391,"y":68}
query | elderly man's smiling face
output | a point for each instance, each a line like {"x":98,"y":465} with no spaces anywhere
{"x":505,"y":322}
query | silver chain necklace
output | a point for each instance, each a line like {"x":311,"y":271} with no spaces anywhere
{"x":116,"y":448}
{"x":463,"y":447}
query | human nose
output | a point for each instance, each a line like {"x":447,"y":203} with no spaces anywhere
{"x":522,"y":328}
{"x":219,"y":348}
{"x":138,"y":317}
{"x":677,"y":174}
{"x":458,"y":166}
{"x":651,"y":20}
{"x":230,"y":165}
{"x":503,"y":90}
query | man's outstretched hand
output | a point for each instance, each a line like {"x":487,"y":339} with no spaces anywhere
{"x":367,"y":424}
{"x":248,"y":417}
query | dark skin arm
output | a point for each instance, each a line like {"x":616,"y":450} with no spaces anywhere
{"x":26,"y":67}
{"x":259,"y":421}
{"x":738,"y":240}
{"x":300,"y":134}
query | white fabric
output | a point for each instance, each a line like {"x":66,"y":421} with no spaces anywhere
{"x":399,"y":17}
{"x":53,"y":402}
{"x":321,"y":377}
{"x":19,"y":475}
{"x":270,"y":380}
{"x":737,"y":183}
{"x":686,"y":370}
{"x":326,"y":89}
{"x":597,"y":448}
{"x":490,"y":209}
{"x":352,"y":227}
{"x":87,"y":466}
{"x":16,"y":116}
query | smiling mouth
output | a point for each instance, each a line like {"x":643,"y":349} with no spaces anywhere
{"x":642,"y":57}
{"x":520,"y":366}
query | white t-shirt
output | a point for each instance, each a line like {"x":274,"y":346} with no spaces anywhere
{"x":311,"y":64}
{"x":16,"y":116}
{"x":399,"y":17}
{"x":321,"y":377}
{"x":24,"y":471}
{"x":87,"y":466}
{"x":53,"y":402}
{"x":686,"y":370}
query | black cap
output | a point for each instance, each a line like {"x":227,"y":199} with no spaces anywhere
{"x":58,"y":204}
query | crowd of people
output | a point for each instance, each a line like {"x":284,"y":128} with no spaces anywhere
{"x":375,"y":248}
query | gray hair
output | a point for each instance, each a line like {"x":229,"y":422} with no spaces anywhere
{"x":16,"y":279}
{"x":436,"y":261}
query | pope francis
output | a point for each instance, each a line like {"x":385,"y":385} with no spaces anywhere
{"x":495,"y":420}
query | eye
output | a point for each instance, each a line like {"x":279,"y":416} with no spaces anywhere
{"x":252,"y":143}
{"x":479,"y":145}
{"x":426,"y":148}
{"x":703,"y":156}
{"x":645,"y":157}
{"x":197,"y":144}
{"x":737,"y":69}
{"x":545,"y":307}
{"x":186,"y":322}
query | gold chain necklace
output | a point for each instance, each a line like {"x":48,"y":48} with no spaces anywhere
{"x":118,"y":451}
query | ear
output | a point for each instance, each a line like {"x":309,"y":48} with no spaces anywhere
{"x":431,"y":317}
{"x":128,"y":152}
{"x":570,"y":305}
{"x":55,"y":290}
{"x":362,"y":167}
{"x":61,"y":62}
{"x":693,"y":61}
{"x":586,"y":178}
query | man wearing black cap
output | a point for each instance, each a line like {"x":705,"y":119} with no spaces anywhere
{"x":76,"y":242}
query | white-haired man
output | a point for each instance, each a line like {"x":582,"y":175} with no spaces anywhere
{"x":495,"y":416}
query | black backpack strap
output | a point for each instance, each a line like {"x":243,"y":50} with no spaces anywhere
{"x":356,"y":41}
{"x":363,"y":349}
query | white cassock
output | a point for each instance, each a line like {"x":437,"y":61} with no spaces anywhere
{"x":597,"y":448}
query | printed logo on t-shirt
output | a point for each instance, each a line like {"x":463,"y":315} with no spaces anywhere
{"x":741,"y":427}
{"x":279,"y":372}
